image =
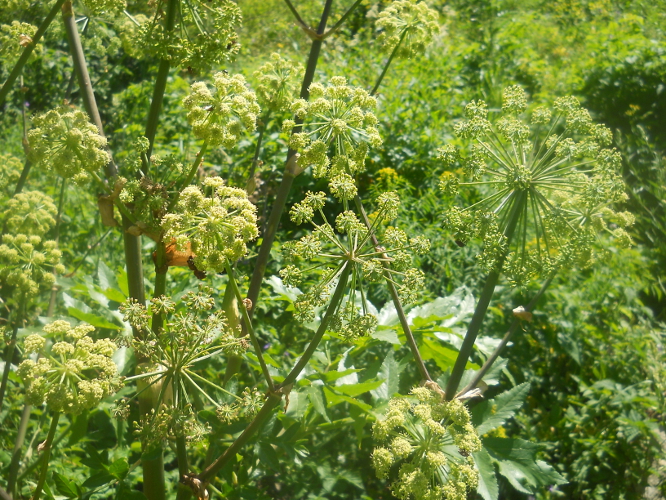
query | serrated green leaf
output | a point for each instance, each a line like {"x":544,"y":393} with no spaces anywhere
{"x":119,"y":468}
{"x":79,"y":310}
{"x":489,"y":415}
{"x":517,"y":462}
{"x":386,"y":335}
{"x":64,"y":486}
{"x":488,"y":487}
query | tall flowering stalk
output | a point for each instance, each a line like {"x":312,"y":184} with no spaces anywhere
{"x":548,"y":183}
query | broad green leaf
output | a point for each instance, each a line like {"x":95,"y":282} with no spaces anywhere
{"x":517,"y":462}
{"x":389,"y":372}
{"x":106,"y":277}
{"x":316,"y":396}
{"x":269,"y":456}
{"x":443,"y":356}
{"x":356,"y":389}
{"x":489,"y":415}
{"x":386,"y":335}
{"x":98,"y":479}
{"x":64,"y":486}
{"x":487,"y":488}
{"x":119,"y":468}
{"x":79,"y":428}
{"x":334,"y":399}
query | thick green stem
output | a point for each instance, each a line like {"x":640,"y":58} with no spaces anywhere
{"x":484,"y":301}
{"x":505,"y":340}
{"x":289,"y":172}
{"x":396,"y":300}
{"x":388,"y":63}
{"x":160,"y":83}
{"x":82,"y":75}
{"x":274,"y":397}
{"x":18,"y":67}
{"x":247,"y":326}
{"x":230,"y":307}
{"x":161,"y":269}
{"x":46,"y":455}
{"x":184,"y":492}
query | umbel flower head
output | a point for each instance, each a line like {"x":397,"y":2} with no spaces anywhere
{"x":65,"y":141}
{"x":410,"y":23}
{"x":74,"y":374}
{"x":218,"y":227}
{"x":349,"y":242}
{"x":339,"y":117}
{"x":204,"y":34}
{"x":175,"y":356}
{"x":30,"y":213}
{"x":13,"y":38}
{"x":96,"y":7}
{"x":219,"y":117}
{"x":278,"y":83}
{"x":547,"y":183}
{"x":27,"y":264}
{"x":425,"y":442}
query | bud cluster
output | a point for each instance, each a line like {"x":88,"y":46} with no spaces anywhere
{"x":65,"y":141}
{"x":219,"y":117}
{"x":278,"y":83}
{"x":410,"y":20}
{"x":10,"y":171}
{"x":337,"y":116}
{"x":74,"y":374}
{"x":13,"y":39}
{"x":425,"y":442}
{"x":349,"y":242}
{"x":218,"y":227}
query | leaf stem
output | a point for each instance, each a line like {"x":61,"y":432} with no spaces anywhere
{"x":342,"y":20}
{"x":11,"y":348}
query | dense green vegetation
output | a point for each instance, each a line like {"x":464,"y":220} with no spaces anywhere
{"x":296,"y":395}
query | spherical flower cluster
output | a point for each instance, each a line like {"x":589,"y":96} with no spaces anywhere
{"x":547,"y":180}
{"x":75,"y":374}
{"x":27,"y":264}
{"x":10,"y":171}
{"x":408,"y":23}
{"x":426,"y":442}
{"x":218,"y":227}
{"x":13,"y":38}
{"x":30,"y":213}
{"x":192,"y":334}
{"x":219,"y":117}
{"x":349,"y":242}
{"x":247,"y":405}
{"x":337,"y":116}
{"x":278,"y":83}
{"x":65,"y":141}
{"x":204,"y":35}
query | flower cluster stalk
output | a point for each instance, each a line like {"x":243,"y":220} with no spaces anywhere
{"x":505,"y":340}
{"x":484,"y":301}
{"x":289,"y":170}
{"x":160,"y":83}
{"x":11,"y":349}
{"x":274,"y":397}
